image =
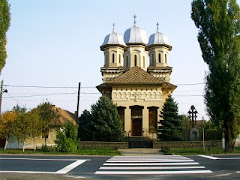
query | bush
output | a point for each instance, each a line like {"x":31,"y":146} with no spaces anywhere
{"x":46,"y":148}
{"x":66,"y":139}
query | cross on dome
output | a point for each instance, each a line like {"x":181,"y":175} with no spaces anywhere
{"x":113,"y":26}
{"x":157,"y":26}
{"x":134,"y":19}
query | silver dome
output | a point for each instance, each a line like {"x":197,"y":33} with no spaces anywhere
{"x":135,"y":35}
{"x":113,"y":39}
{"x":158,"y":39}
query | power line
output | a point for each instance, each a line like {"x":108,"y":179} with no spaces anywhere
{"x":193,"y":84}
{"x":42,"y":95}
{"x":45,"y":87}
{"x":15,"y":99}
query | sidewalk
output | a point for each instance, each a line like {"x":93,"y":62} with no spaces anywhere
{"x":140,"y":151}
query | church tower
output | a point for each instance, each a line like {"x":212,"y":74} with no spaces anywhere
{"x":136,"y":40}
{"x":113,"y":47}
{"x":158,"y":48}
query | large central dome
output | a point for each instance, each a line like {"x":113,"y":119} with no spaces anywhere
{"x":135,"y":35}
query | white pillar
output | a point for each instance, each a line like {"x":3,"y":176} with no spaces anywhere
{"x":127,"y":120}
{"x":145,"y":121}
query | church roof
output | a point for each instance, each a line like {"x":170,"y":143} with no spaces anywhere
{"x":135,"y":35}
{"x":113,"y":39}
{"x":136,"y":75}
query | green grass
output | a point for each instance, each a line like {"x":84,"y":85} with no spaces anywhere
{"x":109,"y":152}
{"x":194,"y":151}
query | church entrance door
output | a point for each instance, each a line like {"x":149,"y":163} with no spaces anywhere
{"x":137,"y":127}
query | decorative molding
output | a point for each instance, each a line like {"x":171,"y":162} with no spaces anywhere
{"x":135,"y":95}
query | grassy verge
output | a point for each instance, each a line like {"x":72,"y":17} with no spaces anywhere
{"x":194,"y":151}
{"x":110,"y":152}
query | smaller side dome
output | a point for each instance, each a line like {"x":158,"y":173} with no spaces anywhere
{"x":158,"y":39}
{"x":135,"y":35}
{"x":113,"y":39}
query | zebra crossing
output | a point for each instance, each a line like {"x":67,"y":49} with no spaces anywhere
{"x":147,"y":165}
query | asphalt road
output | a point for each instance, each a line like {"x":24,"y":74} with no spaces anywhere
{"x":119,"y":167}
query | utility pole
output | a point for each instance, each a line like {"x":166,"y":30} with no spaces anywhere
{"x":203,"y":120}
{"x":78,"y":100}
{"x":1,"y":93}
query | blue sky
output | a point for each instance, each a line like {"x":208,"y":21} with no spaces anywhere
{"x":56,"y":43}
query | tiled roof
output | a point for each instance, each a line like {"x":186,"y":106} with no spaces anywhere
{"x":137,"y":75}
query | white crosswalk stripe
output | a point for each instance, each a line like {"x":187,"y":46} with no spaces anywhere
{"x":147,"y":165}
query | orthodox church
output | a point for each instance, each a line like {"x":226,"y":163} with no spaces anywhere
{"x":136,"y":77}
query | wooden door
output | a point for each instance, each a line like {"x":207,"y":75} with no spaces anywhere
{"x":137,"y":127}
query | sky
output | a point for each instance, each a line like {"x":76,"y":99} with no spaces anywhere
{"x":56,"y":44}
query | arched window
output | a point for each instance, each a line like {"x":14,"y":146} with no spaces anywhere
{"x":166,"y":58}
{"x":159,"y":57}
{"x":113,"y":58}
{"x":120,"y":58}
{"x":105,"y":60}
{"x":135,"y":60}
{"x":143,"y":61}
{"x":152,"y":60}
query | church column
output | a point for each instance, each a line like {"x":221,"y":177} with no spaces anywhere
{"x":145,"y":121}
{"x":127,"y":119}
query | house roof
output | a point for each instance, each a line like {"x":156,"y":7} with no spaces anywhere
{"x":64,"y":116}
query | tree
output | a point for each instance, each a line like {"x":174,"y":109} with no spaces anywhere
{"x":21,"y":128}
{"x":218,"y":36}
{"x":66,"y":139}
{"x":19,"y":110}
{"x":85,"y":130}
{"x":35,"y":124}
{"x":106,"y":122}
{"x":47,"y":113}
{"x":6,"y":125}
{"x":186,"y":126}
{"x":4,"y":25}
{"x":170,"y":128}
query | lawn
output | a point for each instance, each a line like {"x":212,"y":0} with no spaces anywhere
{"x":90,"y":151}
{"x":194,"y":151}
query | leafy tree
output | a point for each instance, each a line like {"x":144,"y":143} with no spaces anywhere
{"x":19,"y":110}
{"x":6,"y":125}
{"x":35,"y":124}
{"x":85,"y":130}
{"x":211,"y":131}
{"x":106,"y":122}
{"x":4,"y":25}
{"x":21,"y":128}
{"x":218,"y":36}
{"x":66,"y":139}
{"x":186,"y":126}
{"x":170,"y":128}
{"x":47,"y":113}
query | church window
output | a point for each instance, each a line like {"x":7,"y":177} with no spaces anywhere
{"x":143,"y":61}
{"x":120,"y":58}
{"x":152,"y":59}
{"x":166,"y":58}
{"x":113,"y":58}
{"x":135,"y":59}
{"x":159,"y":57}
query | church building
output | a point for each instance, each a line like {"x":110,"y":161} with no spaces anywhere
{"x":136,"y":77}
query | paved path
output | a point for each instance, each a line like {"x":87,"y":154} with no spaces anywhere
{"x":139,"y":152}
